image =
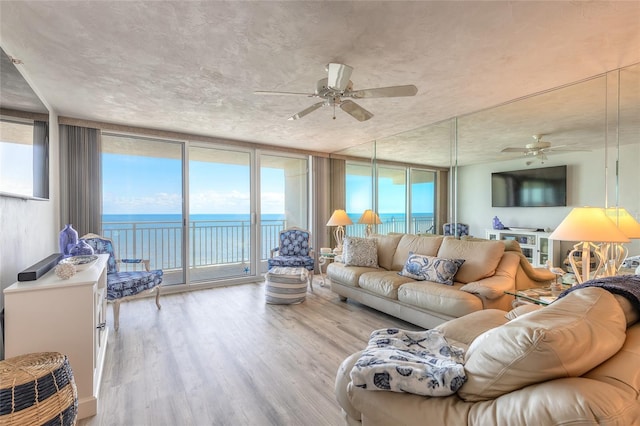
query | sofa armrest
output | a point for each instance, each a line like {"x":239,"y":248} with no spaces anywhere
{"x":536,"y":274}
{"x":343,"y":382}
{"x":463,"y":330}
{"x":490,"y":288}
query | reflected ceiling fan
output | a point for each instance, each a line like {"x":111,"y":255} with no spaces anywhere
{"x":539,"y":149}
{"x":336,"y":87}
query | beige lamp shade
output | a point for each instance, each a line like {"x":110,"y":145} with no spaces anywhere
{"x":369,"y":217}
{"x":588,"y":224}
{"x":624,"y":221}
{"x":339,"y":218}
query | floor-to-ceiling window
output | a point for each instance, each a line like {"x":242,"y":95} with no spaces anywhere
{"x":392,"y":199}
{"x":401,"y":207}
{"x":142,"y":201}
{"x":284,"y":195}
{"x":220,"y":227}
{"x":199,"y":211}
{"x":422,"y":198}
{"x":359,"y":194}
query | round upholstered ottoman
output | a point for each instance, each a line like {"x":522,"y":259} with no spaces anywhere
{"x":286,"y":285}
{"x":37,"y":389}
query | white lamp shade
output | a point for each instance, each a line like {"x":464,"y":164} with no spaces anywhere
{"x":624,"y":221}
{"x":369,"y":217}
{"x":589,"y":224}
{"x":339,"y":218}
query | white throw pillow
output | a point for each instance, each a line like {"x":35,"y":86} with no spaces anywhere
{"x":360,"y":252}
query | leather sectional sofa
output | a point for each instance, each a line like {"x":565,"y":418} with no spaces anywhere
{"x":574,"y":362}
{"x":489,"y":269}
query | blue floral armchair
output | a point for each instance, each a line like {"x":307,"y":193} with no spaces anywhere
{"x":124,"y":285}
{"x":294,"y":250}
{"x":460,"y":229}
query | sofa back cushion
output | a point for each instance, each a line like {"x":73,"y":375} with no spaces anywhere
{"x":387,"y":245}
{"x":480,"y":258}
{"x":415,"y":244}
{"x":566,"y":339}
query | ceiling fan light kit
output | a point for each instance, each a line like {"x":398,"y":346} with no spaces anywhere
{"x":539,"y":150}
{"x":337,"y":86}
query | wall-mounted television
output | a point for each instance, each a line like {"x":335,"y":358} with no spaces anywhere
{"x":541,"y":187}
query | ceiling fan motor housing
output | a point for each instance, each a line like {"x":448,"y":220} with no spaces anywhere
{"x":538,"y":145}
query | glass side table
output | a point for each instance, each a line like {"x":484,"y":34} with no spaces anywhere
{"x":539,"y":295}
{"x":324,"y":259}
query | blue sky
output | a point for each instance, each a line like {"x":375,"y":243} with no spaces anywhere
{"x":16,"y":168}
{"x":392,"y":196}
{"x":146,"y":185}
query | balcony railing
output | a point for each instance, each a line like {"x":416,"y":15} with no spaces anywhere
{"x":214,"y":242}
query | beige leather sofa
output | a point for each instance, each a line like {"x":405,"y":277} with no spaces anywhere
{"x":575,"y":362}
{"x":488,"y":271}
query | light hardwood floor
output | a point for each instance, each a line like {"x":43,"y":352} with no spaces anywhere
{"x":224,"y":357}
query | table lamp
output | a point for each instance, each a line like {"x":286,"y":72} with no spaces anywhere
{"x":339,"y":219}
{"x":590,"y":226}
{"x":629,"y":227}
{"x":369,"y":217}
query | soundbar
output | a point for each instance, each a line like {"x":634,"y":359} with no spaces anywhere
{"x":34,"y":272}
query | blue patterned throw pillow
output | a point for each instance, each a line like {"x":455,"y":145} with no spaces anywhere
{"x":430,"y":268}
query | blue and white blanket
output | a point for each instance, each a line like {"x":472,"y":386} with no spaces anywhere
{"x":419,"y":362}
{"x":627,"y":286}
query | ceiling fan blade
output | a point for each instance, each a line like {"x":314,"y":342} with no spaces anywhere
{"x":306,"y":111}
{"x":338,"y":76}
{"x":355,"y":110}
{"x":266,"y":92}
{"x":525,"y":150}
{"x":384,"y":92}
{"x":552,"y":150}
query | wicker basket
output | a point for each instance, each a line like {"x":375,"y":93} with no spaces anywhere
{"x":37,"y":389}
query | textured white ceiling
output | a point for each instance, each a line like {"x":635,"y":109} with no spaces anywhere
{"x":192,"y":66}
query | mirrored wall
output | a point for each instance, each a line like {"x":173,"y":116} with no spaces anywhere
{"x":592,"y":127}
{"x":24,"y":136}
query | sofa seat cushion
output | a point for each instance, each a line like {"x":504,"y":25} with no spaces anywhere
{"x":384,"y":283}
{"x":414,"y":244}
{"x":347,"y":275}
{"x":566,"y":339}
{"x":480,"y":258}
{"x":435,"y":297}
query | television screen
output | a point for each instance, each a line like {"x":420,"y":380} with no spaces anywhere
{"x":543,"y":187}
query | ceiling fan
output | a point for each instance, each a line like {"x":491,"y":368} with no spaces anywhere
{"x":539,"y":149}
{"x":336,"y":87}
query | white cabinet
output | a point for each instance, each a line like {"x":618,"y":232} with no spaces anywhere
{"x":536,"y":246}
{"x":66,"y":316}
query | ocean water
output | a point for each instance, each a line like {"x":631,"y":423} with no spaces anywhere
{"x":214,"y":238}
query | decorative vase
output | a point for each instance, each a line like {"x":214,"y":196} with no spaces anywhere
{"x":81,"y":248}
{"x":497,"y":224}
{"x":68,"y":239}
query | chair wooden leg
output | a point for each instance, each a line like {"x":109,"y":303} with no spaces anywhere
{"x":311,"y":281}
{"x":158,"y":297}
{"x":116,"y":314}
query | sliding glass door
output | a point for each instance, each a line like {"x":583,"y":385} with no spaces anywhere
{"x":422,"y":197}
{"x":142,"y":201}
{"x":220,"y":228}
{"x":237,"y":202}
{"x":392,"y":198}
{"x":284,"y":183}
